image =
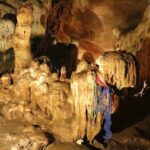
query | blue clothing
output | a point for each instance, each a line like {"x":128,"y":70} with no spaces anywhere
{"x":106,"y":110}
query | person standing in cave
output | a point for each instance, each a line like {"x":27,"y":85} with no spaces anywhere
{"x":104,"y":106}
{"x":104,"y":103}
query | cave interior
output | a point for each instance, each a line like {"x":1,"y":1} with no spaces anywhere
{"x":51,"y":52}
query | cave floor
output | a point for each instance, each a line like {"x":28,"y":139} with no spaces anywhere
{"x":131,"y":129}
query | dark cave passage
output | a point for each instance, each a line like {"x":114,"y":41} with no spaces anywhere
{"x":59,"y":54}
{"x":131,"y":111}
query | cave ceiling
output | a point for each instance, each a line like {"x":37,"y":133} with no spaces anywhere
{"x":94,"y":24}
{"x":100,"y":22}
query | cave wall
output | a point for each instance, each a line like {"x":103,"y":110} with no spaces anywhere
{"x":143,"y":57}
{"x":40,"y":13}
{"x":7,"y":29}
{"x":136,"y":41}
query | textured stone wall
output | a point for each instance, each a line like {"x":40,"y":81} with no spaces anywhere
{"x":131,"y":41}
{"x":143,"y":57}
{"x":7,"y":28}
{"x":40,"y":13}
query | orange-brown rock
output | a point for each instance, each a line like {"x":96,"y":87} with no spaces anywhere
{"x":143,"y":57}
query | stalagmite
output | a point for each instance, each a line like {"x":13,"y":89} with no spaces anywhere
{"x":83,"y":86}
{"x":21,"y":38}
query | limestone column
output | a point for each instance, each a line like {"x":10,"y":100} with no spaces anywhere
{"x":21,"y":38}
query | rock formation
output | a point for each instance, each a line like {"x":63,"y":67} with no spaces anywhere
{"x":118,"y":68}
{"x":65,"y":107}
{"x":144,"y":67}
{"x":36,"y":92}
{"x":132,"y":41}
{"x":21,"y":38}
{"x":40,"y":13}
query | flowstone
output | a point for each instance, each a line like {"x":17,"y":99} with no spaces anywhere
{"x":65,"y":107}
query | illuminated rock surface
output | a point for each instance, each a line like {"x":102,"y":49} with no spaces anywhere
{"x":118,"y":68}
{"x":7,"y":29}
{"x":37,"y":107}
{"x":37,"y":97}
{"x":21,"y":38}
{"x":63,"y":107}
